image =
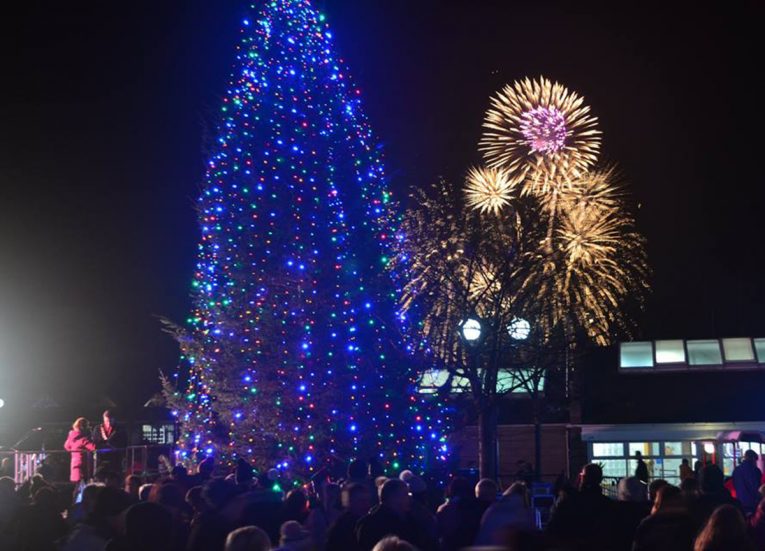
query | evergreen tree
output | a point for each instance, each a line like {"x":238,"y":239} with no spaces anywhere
{"x":290,"y":347}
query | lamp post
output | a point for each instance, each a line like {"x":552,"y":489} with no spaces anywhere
{"x":474,"y":332}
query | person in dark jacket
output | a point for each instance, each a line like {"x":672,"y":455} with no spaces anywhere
{"x":641,"y":471}
{"x":746,"y":480}
{"x":209,"y":531}
{"x":389,"y":518}
{"x":713,"y":494}
{"x":584,"y":519}
{"x":110,"y":442}
{"x":356,"y":500}
{"x":669,"y":527}
{"x":40,"y":524}
{"x":460,"y":517}
{"x":631,"y":507}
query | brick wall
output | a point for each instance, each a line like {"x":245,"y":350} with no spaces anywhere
{"x":516,"y":442}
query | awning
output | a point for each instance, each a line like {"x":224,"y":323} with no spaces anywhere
{"x":750,"y":431}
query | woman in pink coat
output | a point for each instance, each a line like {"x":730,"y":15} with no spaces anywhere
{"x":79,"y":443}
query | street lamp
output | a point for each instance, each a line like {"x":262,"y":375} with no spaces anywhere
{"x":470,"y":330}
{"x":519,"y":329}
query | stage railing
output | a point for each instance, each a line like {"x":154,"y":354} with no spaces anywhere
{"x":143,"y":460}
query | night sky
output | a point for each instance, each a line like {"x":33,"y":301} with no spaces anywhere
{"x":106,"y":106}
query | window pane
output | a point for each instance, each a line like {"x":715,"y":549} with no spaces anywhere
{"x":616,"y":468}
{"x":671,"y":470}
{"x":646,"y":448}
{"x":636,"y":354}
{"x":759,"y":346}
{"x":433,"y":379}
{"x":670,"y":352}
{"x":520,"y":381}
{"x":607,"y":449}
{"x":673,"y":448}
{"x":728,"y":461}
{"x":738,"y":350}
{"x":704,"y":352}
{"x":654,"y":471}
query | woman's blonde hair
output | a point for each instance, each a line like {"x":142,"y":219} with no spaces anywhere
{"x":80,"y":424}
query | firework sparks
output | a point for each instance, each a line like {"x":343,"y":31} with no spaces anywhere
{"x":544,"y":129}
{"x":489,"y":189}
{"x":538,"y":124}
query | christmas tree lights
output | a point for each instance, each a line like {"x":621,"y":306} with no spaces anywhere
{"x":290,"y":351}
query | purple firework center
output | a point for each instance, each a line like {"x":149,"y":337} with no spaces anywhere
{"x":544,"y":129}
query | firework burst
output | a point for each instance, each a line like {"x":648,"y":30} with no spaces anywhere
{"x":489,"y":189}
{"x":538,"y":125}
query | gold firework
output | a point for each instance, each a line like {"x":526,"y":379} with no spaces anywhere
{"x":540,"y":125}
{"x":597,"y":190}
{"x":489,"y":189}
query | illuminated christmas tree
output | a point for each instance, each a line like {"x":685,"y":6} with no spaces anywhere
{"x":290,"y":349}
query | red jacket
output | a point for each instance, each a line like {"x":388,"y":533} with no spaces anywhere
{"x":80,"y":445}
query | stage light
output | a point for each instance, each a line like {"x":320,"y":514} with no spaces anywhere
{"x":709,"y":447}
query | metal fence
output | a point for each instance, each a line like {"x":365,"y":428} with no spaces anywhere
{"x":54,"y":464}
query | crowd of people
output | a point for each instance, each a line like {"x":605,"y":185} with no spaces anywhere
{"x":241,"y":510}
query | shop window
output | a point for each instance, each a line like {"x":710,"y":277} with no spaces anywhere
{"x":636,"y":354}
{"x":673,"y":448}
{"x":729,"y":458}
{"x":759,"y":347}
{"x":654,"y":471}
{"x":704,"y":352}
{"x":646,"y":448}
{"x":613,"y":468}
{"x":738,"y":350}
{"x":607,"y":449}
{"x":671,"y":470}
{"x":670,"y":352}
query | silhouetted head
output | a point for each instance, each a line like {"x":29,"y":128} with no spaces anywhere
{"x":248,"y":538}
{"x":393,"y":543}
{"x":669,"y":499}
{"x":459,"y":487}
{"x":394,"y":494}
{"x":591,"y":476}
{"x":654,"y":487}
{"x":148,"y":526}
{"x":357,"y":498}
{"x":486,"y":490}
{"x":357,"y":469}
{"x":711,"y":479}
{"x":632,"y":489}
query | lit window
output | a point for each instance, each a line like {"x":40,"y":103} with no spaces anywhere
{"x":704,"y":352}
{"x":670,"y":352}
{"x":607,"y":449}
{"x":614,"y":468}
{"x":738,"y":350}
{"x":759,"y":347}
{"x":636,"y":354}
{"x":433,"y":379}
{"x":646,"y":448}
{"x":673,"y":448}
{"x":520,"y":381}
